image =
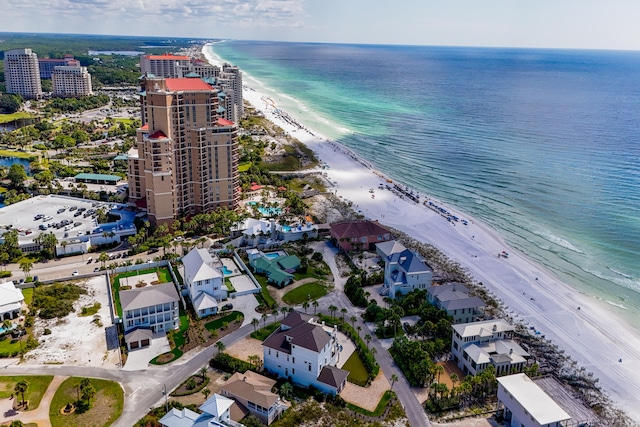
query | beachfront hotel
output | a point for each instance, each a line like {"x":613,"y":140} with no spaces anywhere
{"x":22,"y":73}
{"x":166,"y":65}
{"x":186,"y":158}
{"x":70,"y":81}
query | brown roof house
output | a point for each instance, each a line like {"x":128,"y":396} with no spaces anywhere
{"x":252,"y":393}
{"x":358,"y":235}
{"x":305,"y":352}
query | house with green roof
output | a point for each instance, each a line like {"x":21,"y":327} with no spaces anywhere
{"x":279,"y":271}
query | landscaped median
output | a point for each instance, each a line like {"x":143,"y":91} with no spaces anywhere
{"x":92,"y":403}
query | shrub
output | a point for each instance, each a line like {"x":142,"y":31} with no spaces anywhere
{"x":47,"y":331}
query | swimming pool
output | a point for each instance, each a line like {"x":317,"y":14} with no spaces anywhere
{"x":286,"y":228}
{"x":272,"y":255}
{"x":226,"y":271}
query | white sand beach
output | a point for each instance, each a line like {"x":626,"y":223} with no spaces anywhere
{"x":592,"y":335}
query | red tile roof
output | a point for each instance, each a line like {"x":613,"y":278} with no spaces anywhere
{"x":358,"y":228}
{"x":168,"y":56}
{"x":255,"y":187}
{"x":180,"y":85}
{"x":145,"y":127}
{"x":225,"y":122}
{"x":158,"y":135}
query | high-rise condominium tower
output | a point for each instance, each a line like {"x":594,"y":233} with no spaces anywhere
{"x":186,"y":159}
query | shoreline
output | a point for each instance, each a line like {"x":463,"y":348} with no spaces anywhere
{"x":592,"y":335}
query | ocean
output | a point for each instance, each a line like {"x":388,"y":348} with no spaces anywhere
{"x":541,"y":145}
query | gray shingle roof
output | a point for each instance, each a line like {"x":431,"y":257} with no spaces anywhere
{"x":332,"y":376}
{"x":148,"y":296}
{"x":302,"y":333}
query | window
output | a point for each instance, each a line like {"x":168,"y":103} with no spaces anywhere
{"x":309,"y":367}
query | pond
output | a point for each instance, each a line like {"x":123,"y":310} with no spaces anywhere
{"x":8,"y":161}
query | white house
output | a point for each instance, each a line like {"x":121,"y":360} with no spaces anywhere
{"x":253,"y":395}
{"x":479,"y":344}
{"x":524,"y":404}
{"x":306,"y":353}
{"x":11,"y":300}
{"x":204,"y":281}
{"x":149,"y":310}
{"x":404,"y":270}
{"x":455,"y":300}
{"x":215,"y":413}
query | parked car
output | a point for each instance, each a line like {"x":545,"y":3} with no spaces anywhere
{"x":227,"y":307}
{"x":75,"y":273}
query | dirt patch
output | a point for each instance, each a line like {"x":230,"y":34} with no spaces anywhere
{"x":366,"y":397}
{"x":74,"y":339}
{"x":244,"y":348}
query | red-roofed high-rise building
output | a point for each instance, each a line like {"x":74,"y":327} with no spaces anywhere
{"x":186,"y":159}
{"x":166,"y":65}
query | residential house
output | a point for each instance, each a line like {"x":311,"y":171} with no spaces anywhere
{"x":358,"y":235}
{"x":11,"y":300}
{"x":477,"y":345}
{"x":204,"y":281}
{"x":455,"y":300}
{"x":148,"y":310}
{"x":252,"y":393}
{"x":524,"y":404}
{"x":279,"y":268}
{"x":215,"y":413}
{"x":303,"y":351}
{"x":404,"y":270}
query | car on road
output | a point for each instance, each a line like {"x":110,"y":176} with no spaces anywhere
{"x":227,"y":307}
{"x":148,"y":260}
{"x":75,"y":273}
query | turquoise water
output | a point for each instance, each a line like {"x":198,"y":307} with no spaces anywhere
{"x":226,"y":271}
{"x":286,"y":228}
{"x":274,"y":255}
{"x":539,"y":144}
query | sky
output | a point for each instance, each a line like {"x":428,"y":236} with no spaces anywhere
{"x":587,"y":24}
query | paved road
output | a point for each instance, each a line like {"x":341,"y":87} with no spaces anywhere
{"x":143,"y":389}
{"x":412,"y":407}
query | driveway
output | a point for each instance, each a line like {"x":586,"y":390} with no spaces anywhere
{"x":138,"y":360}
{"x":247,"y":305}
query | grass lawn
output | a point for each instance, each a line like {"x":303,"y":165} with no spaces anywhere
{"x":302,"y":293}
{"x":10,"y":347}
{"x":177,"y":340}
{"x":6,"y":118}
{"x":357,"y":372}
{"x":228,"y":284}
{"x":28,"y":296}
{"x":214,"y":325}
{"x":268,"y":299}
{"x":262,"y":333}
{"x":243,"y":167}
{"x":19,"y":154}
{"x":106,"y":407}
{"x":37,"y":386}
{"x":123,"y":120}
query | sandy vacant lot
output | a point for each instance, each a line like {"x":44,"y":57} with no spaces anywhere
{"x":77,"y":340}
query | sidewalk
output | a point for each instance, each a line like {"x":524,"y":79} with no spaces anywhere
{"x":40,"y":415}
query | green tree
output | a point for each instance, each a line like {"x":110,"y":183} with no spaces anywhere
{"x":16,"y":423}
{"x":103,"y":258}
{"x":305,"y":306}
{"x":17,"y":175}
{"x":220,"y":346}
{"x":26,"y":267}
{"x":332,"y":310}
{"x":315,"y":306}
{"x":206,"y":393}
{"x":10,"y":103}
{"x":203,"y":372}
{"x":286,"y":390}
{"x":255,"y":322}
{"x":394,"y":378}
{"x":87,"y":392}
{"x":21,"y":388}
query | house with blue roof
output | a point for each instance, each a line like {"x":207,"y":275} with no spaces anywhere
{"x":404,"y":270}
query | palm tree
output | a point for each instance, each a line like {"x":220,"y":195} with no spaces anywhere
{"x":284,"y":311}
{"x":353,"y":321}
{"x":103,"y":258}
{"x":367,"y":338}
{"x":315,"y":307}
{"x":26,"y":267}
{"x":454,"y":379}
{"x":264,"y":320}
{"x":305,"y":305}
{"x":203,"y":372}
{"x":359,"y":328}
{"x":220,"y":346}
{"x":6,"y":326}
{"x":255,"y":322}
{"x":438,"y":370}
{"x":21,"y":388}
{"x":332,"y":310}
{"x":254,"y":359}
{"x":206,"y":393}
{"x":394,"y":378}
{"x":285,"y":390}
{"x":343,"y":311}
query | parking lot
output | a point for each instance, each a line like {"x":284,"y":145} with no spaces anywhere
{"x":66,"y":217}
